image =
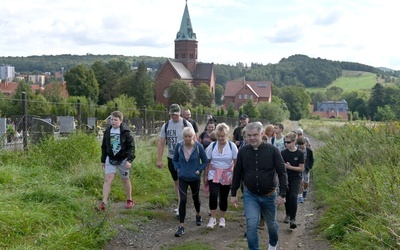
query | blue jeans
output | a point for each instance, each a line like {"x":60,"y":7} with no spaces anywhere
{"x":253,"y":205}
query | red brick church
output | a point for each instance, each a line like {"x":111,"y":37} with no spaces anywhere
{"x":185,"y":66}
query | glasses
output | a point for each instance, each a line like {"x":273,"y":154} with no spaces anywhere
{"x":287,"y":142}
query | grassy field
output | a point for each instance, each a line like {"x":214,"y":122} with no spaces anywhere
{"x":351,"y":81}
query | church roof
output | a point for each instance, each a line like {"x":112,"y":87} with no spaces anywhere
{"x":186,"y":30}
{"x":180,"y":68}
{"x":203,"y":71}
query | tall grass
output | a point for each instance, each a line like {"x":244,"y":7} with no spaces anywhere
{"x":357,"y":177}
{"x":49,"y":193}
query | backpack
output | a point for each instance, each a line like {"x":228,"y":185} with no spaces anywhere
{"x":166,"y":127}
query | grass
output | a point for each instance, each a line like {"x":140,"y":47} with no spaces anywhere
{"x":351,"y":81}
{"x":357,"y":179}
{"x":48,"y":194}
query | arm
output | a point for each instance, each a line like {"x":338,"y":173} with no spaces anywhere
{"x":160,"y":152}
{"x":281,"y":171}
{"x":175,"y":159}
{"x":310,"y":158}
{"x":203,"y":157}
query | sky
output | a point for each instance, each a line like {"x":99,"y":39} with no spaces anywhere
{"x":228,"y":31}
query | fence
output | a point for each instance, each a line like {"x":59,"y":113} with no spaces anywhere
{"x":31,"y":128}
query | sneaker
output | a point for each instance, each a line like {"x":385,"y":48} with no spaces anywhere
{"x":293,"y":224}
{"x":304,"y":194}
{"x":102,"y":206}
{"x":129,"y":204}
{"x":271,"y":247}
{"x":198,"y":220}
{"x":180,"y":232}
{"x":176,"y":211}
{"x":212,"y":222}
{"x":287,"y":219}
{"x":222,"y":222}
{"x":300,"y":199}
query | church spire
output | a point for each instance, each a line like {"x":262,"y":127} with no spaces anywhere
{"x":186,"y":30}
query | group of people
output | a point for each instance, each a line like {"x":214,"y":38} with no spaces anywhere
{"x":270,"y":168}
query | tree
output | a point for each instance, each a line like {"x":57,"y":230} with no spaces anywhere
{"x":333,"y":93}
{"x":180,"y":92}
{"x":142,"y":87}
{"x":250,"y":109}
{"x":219,"y":93}
{"x":203,"y":95}
{"x":101,"y":72}
{"x":384,"y":114}
{"x":81,"y":81}
{"x":377,"y":99}
{"x":297,"y":101}
{"x":273,"y":111}
{"x":53,"y":92}
{"x":126,"y":104}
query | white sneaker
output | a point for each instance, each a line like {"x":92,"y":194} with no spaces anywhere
{"x":212,"y":222}
{"x":271,"y":247}
{"x":222,"y":222}
{"x":176,"y":211}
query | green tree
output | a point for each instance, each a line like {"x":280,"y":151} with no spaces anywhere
{"x":333,"y":93}
{"x":219,"y":93}
{"x":126,"y":104}
{"x":81,"y":81}
{"x":384,"y":114}
{"x":143,"y":88}
{"x":250,"y":109}
{"x":53,"y":92}
{"x":377,"y":99}
{"x":231,"y":111}
{"x":180,"y":92}
{"x":297,"y":101}
{"x":203,"y":95}
{"x":102,"y":76}
{"x":272,"y":111}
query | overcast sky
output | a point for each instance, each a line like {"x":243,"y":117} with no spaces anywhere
{"x":228,"y":31}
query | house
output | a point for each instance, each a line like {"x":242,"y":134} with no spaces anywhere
{"x":331,"y":109}
{"x":184,"y":66}
{"x":239,"y":92}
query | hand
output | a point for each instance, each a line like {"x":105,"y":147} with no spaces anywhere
{"x":128,"y":165}
{"x":234,"y":201}
{"x":103,"y":166}
{"x":280,"y":200}
{"x":197,"y":172}
{"x":159,"y":164}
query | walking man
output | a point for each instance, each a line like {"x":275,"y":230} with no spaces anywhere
{"x":257,"y":164}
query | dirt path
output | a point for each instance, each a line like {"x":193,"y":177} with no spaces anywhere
{"x":159,"y":234}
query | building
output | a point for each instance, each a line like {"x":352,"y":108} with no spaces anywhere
{"x":7,"y":73}
{"x":184,"y":66}
{"x":39,"y":79}
{"x":331,"y":109}
{"x":238,"y":93}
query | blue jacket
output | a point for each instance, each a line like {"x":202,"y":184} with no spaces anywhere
{"x":187,"y":169}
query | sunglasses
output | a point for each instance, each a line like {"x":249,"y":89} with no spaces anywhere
{"x":287,"y":142}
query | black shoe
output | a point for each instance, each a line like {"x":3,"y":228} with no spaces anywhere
{"x":198,"y":220}
{"x":293,"y":224}
{"x":180,"y":232}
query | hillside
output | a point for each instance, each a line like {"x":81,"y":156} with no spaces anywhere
{"x":294,"y":70}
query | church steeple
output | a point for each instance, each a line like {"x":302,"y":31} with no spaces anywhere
{"x":186,"y":43}
{"x":186,"y":30}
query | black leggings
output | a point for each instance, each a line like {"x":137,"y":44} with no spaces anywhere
{"x":183,"y":188}
{"x":216,"y":189}
{"x":291,"y":196}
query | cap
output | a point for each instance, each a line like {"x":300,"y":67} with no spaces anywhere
{"x":175,"y":109}
{"x":243,"y":116}
{"x":299,"y":131}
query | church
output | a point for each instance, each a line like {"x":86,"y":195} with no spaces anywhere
{"x":184,"y":66}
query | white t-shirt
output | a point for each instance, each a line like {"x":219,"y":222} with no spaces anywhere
{"x":221,"y":160}
{"x":174,"y":134}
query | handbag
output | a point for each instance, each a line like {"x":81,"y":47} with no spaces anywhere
{"x":115,"y":162}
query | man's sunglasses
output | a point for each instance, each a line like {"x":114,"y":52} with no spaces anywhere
{"x":287,"y":142}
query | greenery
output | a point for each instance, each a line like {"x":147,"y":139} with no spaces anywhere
{"x":49,"y":198}
{"x":357,"y":180}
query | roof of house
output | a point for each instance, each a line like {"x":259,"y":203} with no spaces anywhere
{"x":8,"y":88}
{"x":332,"y":105}
{"x":180,"y":69}
{"x":262,"y":88}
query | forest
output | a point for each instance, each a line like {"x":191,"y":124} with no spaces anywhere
{"x":103,"y":78}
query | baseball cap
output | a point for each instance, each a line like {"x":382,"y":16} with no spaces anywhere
{"x":299,"y":131}
{"x":174,"y":109}
{"x":243,"y":116}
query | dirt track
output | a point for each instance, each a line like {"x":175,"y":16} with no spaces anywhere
{"x":159,"y":234}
